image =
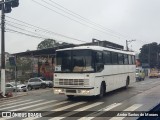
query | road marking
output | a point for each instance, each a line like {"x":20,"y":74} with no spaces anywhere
{"x":15,"y":103}
{"x":44,"y":108}
{"x":41,"y":108}
{"x":57,"y":118}
{"x":9,"y":101}
{"x":89,"y":106}
{"x":42,"y":103}
{"x":80,"y":109}
{"x":131,"y":108}
{"x":68,"y":106}
{"x":59,"y":109}
{"x":103,"y":109}
{"x":21,"y":104}
{"x":110,"y":107}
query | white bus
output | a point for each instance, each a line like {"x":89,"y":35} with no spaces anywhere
{"x":92,"y":70}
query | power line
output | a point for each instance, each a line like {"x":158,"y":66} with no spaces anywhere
{"x":44,"y":30}
{"x":75,"y":20}
{"x":39,"y":30}
{"x":42,"y":36}
{"x":23,"y":29}
{"x":21,"y":23}
{"x":30,"y":35}
{"x":62,"y":8}
{"x":14,"y":31}
{"x":47,"y":31}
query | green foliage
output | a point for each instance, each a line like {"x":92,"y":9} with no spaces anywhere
{"x":49,"y":43}
{"x":149,"y":53}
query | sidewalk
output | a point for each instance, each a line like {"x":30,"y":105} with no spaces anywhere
{"x":15,"y":95}
{"x":32,"y":92}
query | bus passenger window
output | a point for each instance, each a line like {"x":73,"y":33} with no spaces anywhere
{"x":114,"y":58}
{"x":126,"y":59}
{"x":130,"y":59}
{"x":99,"y":65}
{"x":133,"y":60}
{"x":120,"y":59}
{"x":107,"y":57}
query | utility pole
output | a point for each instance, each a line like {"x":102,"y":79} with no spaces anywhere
{"x":6,"y":7}
{"x":127,"y":43}
{"x":2,"y":50}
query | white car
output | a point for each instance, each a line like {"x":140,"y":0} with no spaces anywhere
{"x":12,"y":87}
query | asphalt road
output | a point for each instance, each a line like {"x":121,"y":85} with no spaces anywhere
{"x":140,"y":96}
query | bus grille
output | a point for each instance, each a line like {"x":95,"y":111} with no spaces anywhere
{"x":78,"y":82}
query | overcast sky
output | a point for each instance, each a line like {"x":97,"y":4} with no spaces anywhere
{"x":120,"y":20}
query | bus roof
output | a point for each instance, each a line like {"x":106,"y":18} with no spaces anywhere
{"x":99,"y":48}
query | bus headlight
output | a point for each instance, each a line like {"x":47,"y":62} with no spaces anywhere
{"x":84,"y":91}
{"x":58,"y":90}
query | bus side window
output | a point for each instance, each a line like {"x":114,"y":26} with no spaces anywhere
{"x":107,"y":57}
{"x":125,"y":59}
{"x":114,"y":58}
{"x":120,"y":59}
{"x":99,"y":61}
{"x":130,"y":59}
{"x":133,"y":60}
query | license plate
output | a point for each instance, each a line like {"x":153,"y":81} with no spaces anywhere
{"x":61,"y":93}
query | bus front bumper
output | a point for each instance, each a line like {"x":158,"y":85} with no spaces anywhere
{"x":78,"y":91}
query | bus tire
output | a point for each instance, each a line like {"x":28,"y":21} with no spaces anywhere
{"x":127,"y":83}
{"x":70,"y":97}
{"x":102,"y":90}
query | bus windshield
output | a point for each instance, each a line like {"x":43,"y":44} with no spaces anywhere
{"x":74,"y":61}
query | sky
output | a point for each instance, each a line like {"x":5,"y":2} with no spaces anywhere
{"x":112,"y":20}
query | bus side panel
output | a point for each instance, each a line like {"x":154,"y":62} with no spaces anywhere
{"x":115,"y":76}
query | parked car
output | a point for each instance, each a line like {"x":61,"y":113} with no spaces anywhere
{"x":39,"y":82}
{"x":49,"y":83}
{"x":12,"y":87}
{"x":154,"y":73}
{"x":140,"y":75}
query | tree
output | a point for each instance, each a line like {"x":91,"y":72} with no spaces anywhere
{"x":149,"y":53}
{"x":47,"y":43}
{"x":50,"y":43}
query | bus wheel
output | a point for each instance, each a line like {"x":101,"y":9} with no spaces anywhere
{"x":70,"y":96}
{"x":102,"y":91}
{"x":127,"y":83}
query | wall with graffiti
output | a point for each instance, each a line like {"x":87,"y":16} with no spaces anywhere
{"x":44,"y":68}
